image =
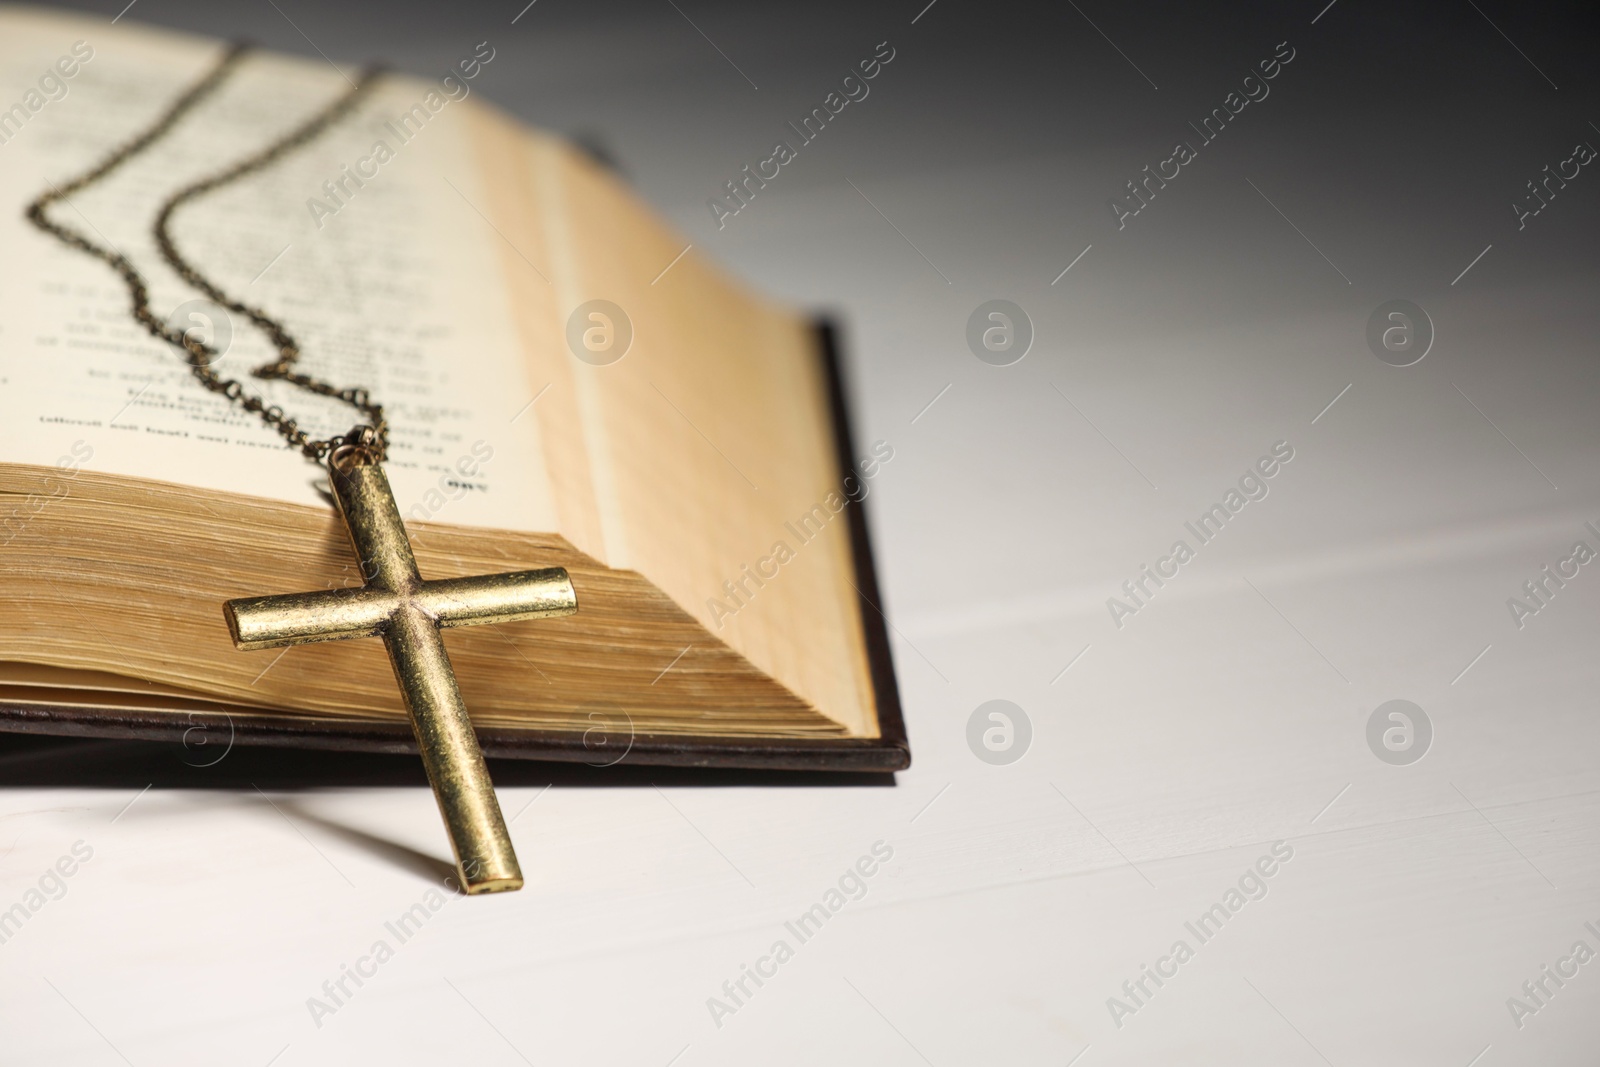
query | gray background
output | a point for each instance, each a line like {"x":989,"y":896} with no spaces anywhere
{"x":1166,"y":755}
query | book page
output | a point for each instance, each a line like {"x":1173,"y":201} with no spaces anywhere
{"x":446,"y":273}
{"x":390,"y":281}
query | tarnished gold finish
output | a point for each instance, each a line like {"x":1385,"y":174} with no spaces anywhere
{"x":407,"y":613}
{"x":396,"y":603}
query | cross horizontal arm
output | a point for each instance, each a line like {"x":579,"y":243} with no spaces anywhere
{"x":336,"y":614}
{"x":299,"y":618}
{"x":508,"y":597}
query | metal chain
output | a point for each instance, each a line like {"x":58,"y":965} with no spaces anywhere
{"x":371,"y":436}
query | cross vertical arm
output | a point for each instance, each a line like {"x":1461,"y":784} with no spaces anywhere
{"x":450,"y":754}
{"x":408,"y":613}
{"x":373,"y":520}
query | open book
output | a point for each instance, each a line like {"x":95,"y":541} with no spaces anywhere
{"x":566,"y":384}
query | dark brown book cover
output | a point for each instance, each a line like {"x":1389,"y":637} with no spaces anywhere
{"x":890,"y":751}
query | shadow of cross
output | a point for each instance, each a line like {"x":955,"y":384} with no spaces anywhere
{"x":407,"y":612}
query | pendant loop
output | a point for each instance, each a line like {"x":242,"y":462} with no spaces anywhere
{"x":348,"y":457}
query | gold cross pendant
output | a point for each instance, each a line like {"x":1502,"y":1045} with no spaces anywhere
{"x":407,"y":612}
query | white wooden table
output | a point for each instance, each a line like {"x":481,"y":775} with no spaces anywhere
{"x":1167,"y":755}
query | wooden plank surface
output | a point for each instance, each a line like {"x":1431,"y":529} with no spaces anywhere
{"x":1167,"y":756}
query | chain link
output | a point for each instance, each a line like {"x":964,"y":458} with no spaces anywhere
{"x":372,"y":435}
